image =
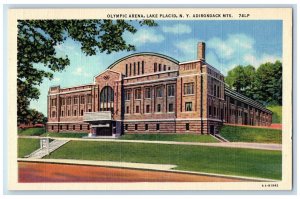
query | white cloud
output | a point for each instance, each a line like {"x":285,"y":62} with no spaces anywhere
{"x":226,"y":53}
{"x":79,"y":71}
{"x":143,"y":36}
{"x":56,"y":79}
{"x":234,"y":45}
{"x":177,"y":29}
{"x":187,"y":48}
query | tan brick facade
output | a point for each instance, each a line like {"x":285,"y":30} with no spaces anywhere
{"x":153,"y":93}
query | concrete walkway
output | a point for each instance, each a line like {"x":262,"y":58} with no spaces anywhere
{"x":41,"y":152}
{"x":141,"y":166}
{"x":246,"y":145}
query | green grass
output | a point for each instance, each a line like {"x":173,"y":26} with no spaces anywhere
{"x":247,"y":134}
{"x":66,"y":135}
{"x":170,"y":137}
{"x":231,"y":161}
{"x":27,"y":146}
{"x":277,"y":113}
{"x":31,"y":131}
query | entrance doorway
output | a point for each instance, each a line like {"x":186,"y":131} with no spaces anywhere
{"x":103,"y":131}
{"x":212,"y":129}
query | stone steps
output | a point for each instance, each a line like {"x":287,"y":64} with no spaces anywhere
{"x":40,"y":153}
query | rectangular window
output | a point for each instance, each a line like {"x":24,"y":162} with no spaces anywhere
{"x":90,"y":110}
{"x":148,"y":93}
{"x":89,"y":99}
{"x":187,"y":126}
{"x":80,"y":127}
{"x":74,"y":112}
{"x":189,"y":88}
{"x":126,"y":70}
{"x":157,"y":127}
{"x":142,"y":67}
{"x":67,"y":127}
{"x":130,"y":69}
{"x":218,"y":91}
{"x":73,"y":127}
{"x":75,"y":100}
{"x":68,"y":113}
{"x":171,"y":90}
{"x":138,"y":68}
{"x":60,"y":127}
{"x":127,"y":109}
{"x":215,"y":90}
{"x":159,"y":67}
{"x":165,"y":67}
{"x":171,"y":109}
{"x":146,"y":127}
{"x":209,"y":109}
{"x":137,"y":94}
{"x":127,"y":95}
{"x":69,"y":101}
{"x":147,"y":108}
{"x":134,"y":69}
{"x":53,"y":102}
{"x":126,"y":127}
{"x":52,"y":127}
{"x":188,"y":106}
{"x":137,"y":109}
{"x":81,"y":112}
{"x":82,"y":99}
{"x":63,"y":101}
{"x":158,"y":108}
{"x":155,"y":67}
{"x":159,"y":91}
{"x":88,"y":127}
{"x":136,"y":127}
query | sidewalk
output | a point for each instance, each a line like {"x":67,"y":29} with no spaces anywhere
{"x":245,"y":145}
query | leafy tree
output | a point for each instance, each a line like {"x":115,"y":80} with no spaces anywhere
{"x":241,"y":79}
{"x":268,"y":83}
{"x":36,"y":44}
{"x":34,"y":117}
{"x":263,"y":84}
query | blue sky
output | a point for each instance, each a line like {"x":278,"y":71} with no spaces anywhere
{"x":228,"y":43}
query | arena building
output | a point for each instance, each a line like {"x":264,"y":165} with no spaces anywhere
{"x":153,"y":93}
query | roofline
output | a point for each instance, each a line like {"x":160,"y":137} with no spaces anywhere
{"x":252,"y":102}
{"x":144,"y":53}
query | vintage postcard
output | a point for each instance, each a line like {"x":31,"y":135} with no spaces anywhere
{"x":150,"y":99}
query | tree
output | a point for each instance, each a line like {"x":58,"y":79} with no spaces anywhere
{"x":241,"y":79}
{"x":263,"y":84}
{"x":34,"y":117}
{"x":268,"y":83}
{"x":36,"y":44}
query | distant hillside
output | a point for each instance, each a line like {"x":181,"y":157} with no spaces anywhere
{"x":277,"y":113}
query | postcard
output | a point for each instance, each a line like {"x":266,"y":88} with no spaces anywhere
{"x":150,"y":99}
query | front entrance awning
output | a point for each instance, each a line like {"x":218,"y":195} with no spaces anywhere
{"x":99,"y":125}
{"x":97,"y":116}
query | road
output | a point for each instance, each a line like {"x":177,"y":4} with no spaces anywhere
{"x":49,"y":172}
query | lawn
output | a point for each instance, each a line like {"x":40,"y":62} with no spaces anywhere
{"x":27,"y":146}
{"x":231,"y":161}
{"x":249,"y":134}
{"x":277,"y":113}
{"x":31,"y":131}
{"x":170,"y":137}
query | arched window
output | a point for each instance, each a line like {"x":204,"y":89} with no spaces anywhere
{"x":107,"y":99}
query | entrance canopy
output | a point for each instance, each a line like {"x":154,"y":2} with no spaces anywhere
{"x":97,"y":116}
